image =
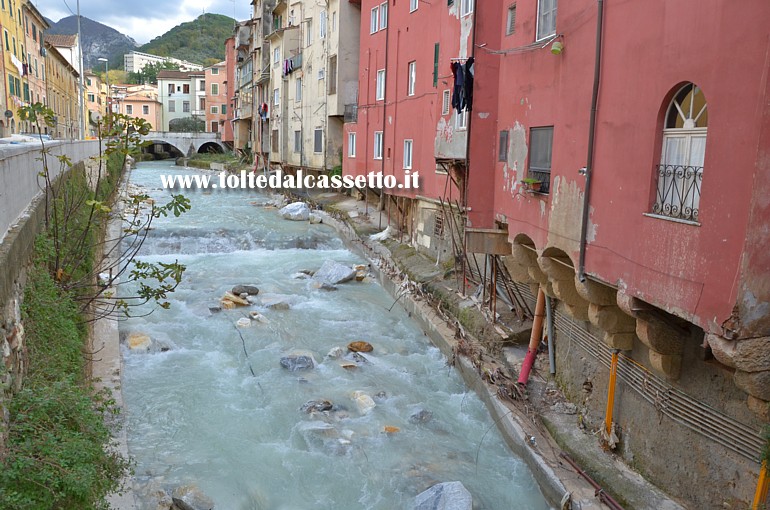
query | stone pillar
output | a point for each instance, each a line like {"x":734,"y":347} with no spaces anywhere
{"x":750,"y":357}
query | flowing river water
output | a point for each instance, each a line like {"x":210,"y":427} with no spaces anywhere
{"x":197,"y":415}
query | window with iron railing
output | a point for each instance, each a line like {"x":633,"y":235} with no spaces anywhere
{"x":680,"y":172}
{"x":540,"y":153}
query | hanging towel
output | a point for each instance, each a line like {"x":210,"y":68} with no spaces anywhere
{"x":458,"y":99}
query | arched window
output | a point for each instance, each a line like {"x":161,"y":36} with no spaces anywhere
{"x":680,"y":172}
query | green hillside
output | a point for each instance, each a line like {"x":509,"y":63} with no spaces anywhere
{"x":201,"y":41}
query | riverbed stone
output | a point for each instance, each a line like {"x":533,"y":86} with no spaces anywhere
{"x":245,"y":289}
{"x":237,"y":300}
{"x":316,"y":406}
{"x":444,"y":496}
{"x":299,"y":360}
{"x":139,"y":342}
{"x":421,"y":416}
{"x":297,"y":211}
{"x":190,"y":497}
{"x":333,"y":273}
{"x":364,"y":402}
{"x":360,"y":346}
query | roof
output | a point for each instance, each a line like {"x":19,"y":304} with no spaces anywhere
{"x":62,"y":40}
{"x":169,"y":74}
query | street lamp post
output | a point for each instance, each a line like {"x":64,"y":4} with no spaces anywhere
{"x":107,"y":78}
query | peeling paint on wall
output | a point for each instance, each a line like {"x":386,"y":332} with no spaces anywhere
{"x":483,"y":115}
{"x":565,"y":217}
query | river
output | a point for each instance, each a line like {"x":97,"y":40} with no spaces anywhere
{"x":196,"y":414}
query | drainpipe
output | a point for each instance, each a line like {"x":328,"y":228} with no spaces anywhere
{"x":534,"y":339}
{"x":591,"y":135}
{"x":384,"y":124}
{"x":549,"y":322}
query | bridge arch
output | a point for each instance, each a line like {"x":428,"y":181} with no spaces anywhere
{"x":187,"y":143}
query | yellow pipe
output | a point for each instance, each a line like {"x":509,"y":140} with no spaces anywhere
{"x":611,"y":394}
{"x":760,"y":497}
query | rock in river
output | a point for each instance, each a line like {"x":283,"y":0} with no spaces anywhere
{"x":360,"y":347}
{"x":444,"y":496}
{"x":332,"y":272}
{"x":189,"y":497}
{"x":298,"y":211}
{"x":298,"y":361}
{"x":245,"y":289}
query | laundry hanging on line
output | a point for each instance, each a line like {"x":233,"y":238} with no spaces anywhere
{"x":463,"y":78}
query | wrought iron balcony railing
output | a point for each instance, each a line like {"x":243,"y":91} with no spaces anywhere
{"x":351,"y":113}
{"x":678,"y":194}
{"x":544,"y":176}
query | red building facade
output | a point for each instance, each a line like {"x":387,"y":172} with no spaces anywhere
{"x":229,"y":86}
{"x":404,"y":121}
{"x":653,"y":118}
{"x":670,"y":263}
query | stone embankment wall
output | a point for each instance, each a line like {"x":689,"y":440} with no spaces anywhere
{"x":22,"y":214}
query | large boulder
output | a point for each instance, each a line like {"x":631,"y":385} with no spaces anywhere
{"x":189,"y":497}
{"x":444,"y":496}
{"x":298,"y":211}
{"x":139,"y":342}
{"x":245,"y":289}
{"x":332,"y":273}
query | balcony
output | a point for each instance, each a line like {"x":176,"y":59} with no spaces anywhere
{"x":198,"y":112}
{"x":678,"y":195}
{"x":296,"y":61}
{"x":351,"y":113}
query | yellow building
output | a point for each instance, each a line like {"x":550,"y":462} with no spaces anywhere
{"x":14,"y":55}
{"x":34,"y":26}
{"x":62,"y":93}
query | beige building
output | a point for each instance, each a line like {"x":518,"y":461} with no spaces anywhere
{"x":62,"y":94}
{"x":314,"y":74}
{"x":95,"y":101}
{"x":34,"y":27}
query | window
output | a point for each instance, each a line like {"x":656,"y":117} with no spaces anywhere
{"x":680,"y":172}
{"x":186,"y":88}
{"x":351,"y":145}
{"x":546,"y":18}
{"x":88,"y":81}
{"x":214,"y":109}
{"x":446,"y":102}
{"x":322,"y":25}
{"x":334,"y":21}
{"x":202,"y":85}
{"x":202,"y":103}
{"x":7,"y":46}
{"x":91,"y":98}
{"x":380,"y":84}
{"x":223,"y":109}
{"x":540,"y":150}
{"x":503,"y":149}
{"x":186,"y":106}
{"x":276,"y":55}
{"x":411,"y":77}
{"x":215,"y":89}
{"x":373,"y":23}
{"x":297,"y":141}
{"x":309,"y":33}
{"x":274,"y":141}
{"x":413,"y":5}
{"x":276,"y":98}
{"x":172,"y":106}
{"x":466,"y":7}
{"x":130,"y":109}
{"x":318,"y":137}
{"x":333,"y":75}
{"x":298,"y":91}
{"x":214,"y":70}
{"x":378,"y":145}
{"x":408,"y":154}
{"x":170,"y":88}
{"x":145,"y":109}
{"x":461,"y":120}
{"x":510,"y":25}
{"x":214,"y":126}
{"x":383,"y":16}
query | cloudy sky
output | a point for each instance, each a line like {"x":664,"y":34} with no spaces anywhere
{"x":143,"y":19}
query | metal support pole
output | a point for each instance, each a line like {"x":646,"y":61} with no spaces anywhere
{"x":611,"y":393}
{"x":534,"y":339}
{"x":549,"y":323}
{"x":760,"y":496}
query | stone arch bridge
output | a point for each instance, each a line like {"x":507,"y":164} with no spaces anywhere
{"x":188,"y":143}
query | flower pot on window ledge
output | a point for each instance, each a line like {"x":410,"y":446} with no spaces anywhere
{"x":531,"y":184}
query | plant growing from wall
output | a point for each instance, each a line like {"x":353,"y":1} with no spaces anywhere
{"x":78,"y":209}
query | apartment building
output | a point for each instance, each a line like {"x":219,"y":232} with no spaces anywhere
{"x":242,"y":86}
{"x":142,"y":102}
{"x":62,"y":92}
{"x":34,"y":27}
{"x":14,"y":55}
{"x":314,"y":59}
{"x":227,"y":128}
{"x":216,"y":102}
{"x":134,"y":62}
{"x":408,"y":117}
{"x":181,"y":95}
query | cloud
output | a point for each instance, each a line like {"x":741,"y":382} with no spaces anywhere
{"x":143,"y":19}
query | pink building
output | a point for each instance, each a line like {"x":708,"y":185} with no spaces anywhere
{"x":229,"y":84}
{"x":142,"y":103}
{"x":217,"y":104}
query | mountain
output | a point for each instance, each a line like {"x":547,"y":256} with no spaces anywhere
{"x":99,"y":41}
{"x":201,"y":41}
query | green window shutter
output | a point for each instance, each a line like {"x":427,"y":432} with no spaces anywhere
{"x":435,"y":65}
{"x":224,"y":109}
{"x":26,"y":91}
{"x":10,"y":85}
{"x":450,"y":2}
